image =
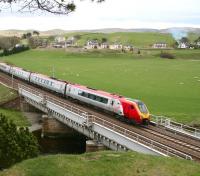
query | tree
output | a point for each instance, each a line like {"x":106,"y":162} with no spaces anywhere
{"x":197,"y":40}
{"x":28,"y":35}
{"x":36,"y":33}
{"x":8,"y":42}
{"x":15,"y":144}
{"x":51,"y":6}
{"x":104,"y":40}
{"x":184,"y":40}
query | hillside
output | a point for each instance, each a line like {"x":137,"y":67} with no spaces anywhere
{"x":138,"y":39}
{"x":104,"y":164}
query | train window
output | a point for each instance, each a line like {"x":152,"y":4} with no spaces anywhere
{"x":91,"y":96}
{"x":86,"y":94}
{"x":112,"y":103}
{"x":98,"y":98}
{"x":80,"y":92}
{"x":104,"y":100}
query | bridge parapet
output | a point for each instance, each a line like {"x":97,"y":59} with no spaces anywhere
{"x":111,"y":135}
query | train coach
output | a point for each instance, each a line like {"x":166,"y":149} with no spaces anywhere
{"x":48,"y":83}
{"x":131,"y":110}
{"x":20,"y":73}
{"x":5,"y":68}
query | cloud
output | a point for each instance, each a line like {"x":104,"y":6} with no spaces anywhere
{"x":111,"y":13}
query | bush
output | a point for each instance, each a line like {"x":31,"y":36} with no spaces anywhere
{"x":167,"y":55}
{"x":7,"y":52}
{"x":15,"y":144}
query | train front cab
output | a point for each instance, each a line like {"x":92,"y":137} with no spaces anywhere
{"x":136,"y":111}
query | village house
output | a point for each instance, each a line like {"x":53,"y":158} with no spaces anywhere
{"x":159,"y":45}
{"x":104,"y":46}
{"x":128,"y":48}
{"x":198,"y":44}
{"x":92,"y":44}
{"x":70,"y":42}
{"x":116,"y":46}
{"x":183,"y":45}
{"x":59,"y":42}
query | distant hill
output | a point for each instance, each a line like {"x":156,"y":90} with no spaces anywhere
{"x":144,"y":38}
{"x":137,"y":39}
{"x":15,"y":32}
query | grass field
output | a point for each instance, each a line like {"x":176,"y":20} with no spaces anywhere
{"x":104,"y":164}
{"x":16,"y":116}
{"x":6,"y":94}
{"x":137,"y":39}
{"x":168,"y":87}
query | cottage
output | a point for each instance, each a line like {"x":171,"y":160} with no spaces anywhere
{"x":116,"y":46}
{"x":70,"y":42}
{"x":104,"y":46}
{"x":183,"y":45}
{"x":92,"y":44}
{"x":198,"y":44}
{"x":128,"y":48}
{"x":161,"y":45}
{"x":59,"y":42}
{"x":59,"y":39}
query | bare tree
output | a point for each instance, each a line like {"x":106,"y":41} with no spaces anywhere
{"x":61,"y":7}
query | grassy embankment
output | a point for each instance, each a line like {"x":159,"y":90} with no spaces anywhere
{"x":168,"y":87}
{"x":104,"y":164}
{"x":137,"y":39}
{"x":6,"y":95}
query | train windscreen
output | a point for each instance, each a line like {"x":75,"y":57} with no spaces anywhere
{"x":142,"y":107}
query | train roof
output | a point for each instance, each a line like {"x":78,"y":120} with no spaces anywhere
{"x":96,"y":91}
{"x":48,"y":77}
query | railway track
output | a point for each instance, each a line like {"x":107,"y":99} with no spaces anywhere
{"x":180,"y":143}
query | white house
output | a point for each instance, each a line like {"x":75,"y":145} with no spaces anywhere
{"x":198,"y":44}
{"x":182,"y":45}
{"x":59,"y":39}
{"x":159,"y":45}
{"x":128,"y":48}
{"x":92,"y":44}
{"x":116,"y":46}
{"x":104,"y":46}
{"x":70,"y":42}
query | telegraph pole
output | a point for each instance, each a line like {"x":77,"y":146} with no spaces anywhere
{"x":53,"y":71}
{"x":12,"y":81}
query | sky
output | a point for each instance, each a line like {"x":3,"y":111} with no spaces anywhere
{"x":128,"y":14}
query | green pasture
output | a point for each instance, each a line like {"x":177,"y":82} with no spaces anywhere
{"x":168,"y":87}
{"x":16,"y":116}
{"x":6,"y":94}
{"x":104,"y":164}
{"x":137,"y":39}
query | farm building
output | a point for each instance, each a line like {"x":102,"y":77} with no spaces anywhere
{"x":104,"y":46}
{"x":128,"y":48}
{"x":70,"y":42}
{"x":92,"y":44}
{"x":116,"y":46}
{"x":160,"y":45}
{"x":183,"y":45}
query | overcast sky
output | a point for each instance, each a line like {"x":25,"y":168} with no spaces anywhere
{"x":110,"y":14}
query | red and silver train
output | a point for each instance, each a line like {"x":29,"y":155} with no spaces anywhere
{"x":130,"y":110}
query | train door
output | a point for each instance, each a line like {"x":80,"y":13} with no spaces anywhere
{"x":112,"y":102}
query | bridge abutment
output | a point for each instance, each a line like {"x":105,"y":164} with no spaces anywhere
{"x":26,"y":107}
{"x":94,"y":146}
{"x":52,"y":127}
